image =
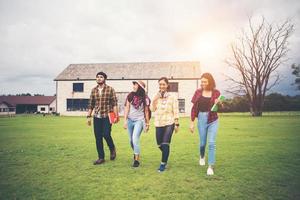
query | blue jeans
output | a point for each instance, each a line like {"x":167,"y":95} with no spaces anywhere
{"x":135,"y":129}
{"x":163,"y":139}
{"x":207,"y":131}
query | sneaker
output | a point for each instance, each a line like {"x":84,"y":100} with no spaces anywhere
{"x":210,"y":171}
{"x":202,"y":161}
{"x":113,"y":154}
{"x":136,"y":163}
{"x":99,"y":162}
{"x":162,"y":167}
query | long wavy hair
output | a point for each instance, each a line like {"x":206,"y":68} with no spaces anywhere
{"x":211,"y":80}
{"x":140,"y":93}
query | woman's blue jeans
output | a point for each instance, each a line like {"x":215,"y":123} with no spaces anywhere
{"x":135,"y":129}
{"x":207,"y":132}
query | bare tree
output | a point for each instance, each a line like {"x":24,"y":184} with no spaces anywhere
{"x":256,"y":55}
{"x":296,"y":72}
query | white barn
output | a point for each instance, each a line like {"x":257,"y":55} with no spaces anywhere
{"x":10,"y":105}
{"x":74,"y":84}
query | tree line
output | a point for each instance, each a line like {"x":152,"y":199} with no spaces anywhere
{"x":272,"y":102}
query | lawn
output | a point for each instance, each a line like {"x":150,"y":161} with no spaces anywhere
{"x":51,"y":158}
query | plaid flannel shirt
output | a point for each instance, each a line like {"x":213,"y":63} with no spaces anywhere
{"x":103,"y":103}
{"x":165,"y":113}
{"x":212,"y":116}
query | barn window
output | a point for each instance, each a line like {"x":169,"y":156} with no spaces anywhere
{"x":77,"y":87}
{"x":181,"y":105}
{"x":43,"y":109}
{"x":77,"y":104}
{"x":173,"y":86}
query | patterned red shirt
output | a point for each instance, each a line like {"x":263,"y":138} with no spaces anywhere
{"x":212,"y":116}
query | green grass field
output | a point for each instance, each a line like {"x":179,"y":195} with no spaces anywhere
{"x":51,"y":158}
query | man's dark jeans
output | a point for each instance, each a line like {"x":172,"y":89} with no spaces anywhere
{"x":102,"y":129}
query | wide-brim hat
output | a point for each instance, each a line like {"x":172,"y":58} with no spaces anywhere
{"x":141,"y":84}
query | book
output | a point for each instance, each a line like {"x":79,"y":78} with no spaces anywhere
{"x":215,"y":107}
{"x":112,"y":117}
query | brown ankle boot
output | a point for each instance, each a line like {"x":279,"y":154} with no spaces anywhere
{"x":99,"y":161}
{"x":113,"y":154}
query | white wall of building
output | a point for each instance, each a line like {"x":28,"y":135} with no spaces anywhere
{"x":52,"y":106}
{"x":43,"y":108}
{"x":186,"y":89}
{"x":65,"y":91}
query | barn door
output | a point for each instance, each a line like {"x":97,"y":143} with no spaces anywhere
{"x":121,"y":101}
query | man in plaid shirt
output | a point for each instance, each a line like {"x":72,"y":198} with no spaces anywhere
{"x":102,"y":101}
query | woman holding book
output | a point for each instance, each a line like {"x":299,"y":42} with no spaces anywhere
{"x":165,"y":106}
{"x":136,"y":117}
{"x":203,"y":100}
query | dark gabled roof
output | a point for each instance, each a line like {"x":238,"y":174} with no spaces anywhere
{"x":7,"y":104}
{"x":132,"y":71}
{"x":26,"y":100}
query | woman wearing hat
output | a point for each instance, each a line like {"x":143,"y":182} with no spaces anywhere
{"x":136,"y":117}
{"x":165,"y":106}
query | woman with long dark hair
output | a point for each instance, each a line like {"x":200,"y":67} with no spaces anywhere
{"x":136,"y":117}
{"x":165,"y":106}
{"x":203,"y":100}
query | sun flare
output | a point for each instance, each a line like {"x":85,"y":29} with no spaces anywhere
{"x":208,"y":46}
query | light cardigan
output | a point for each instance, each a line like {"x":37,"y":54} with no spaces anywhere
{"x":166,"y":111}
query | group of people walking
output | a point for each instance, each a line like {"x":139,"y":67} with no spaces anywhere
{"x":164,"y":106}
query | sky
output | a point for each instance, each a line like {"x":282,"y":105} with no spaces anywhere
{"x":39,"y":39}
